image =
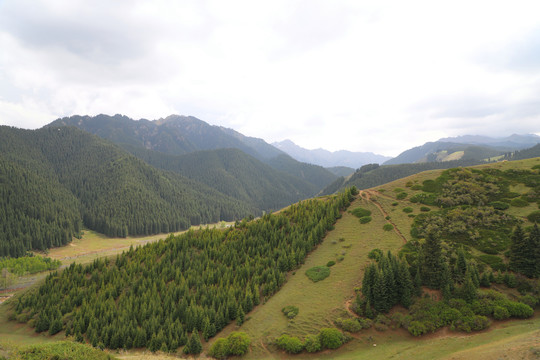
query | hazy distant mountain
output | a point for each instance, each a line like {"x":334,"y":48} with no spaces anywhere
{"x":514,"y":142}
{"x":179,"y":135}
{"x":466,"y":147}
{"x":327,"y":158}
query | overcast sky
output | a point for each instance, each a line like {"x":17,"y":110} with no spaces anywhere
{"x":379,"y":76}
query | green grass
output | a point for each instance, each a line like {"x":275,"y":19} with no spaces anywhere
{"x":61,"y":350}
{"x":322,"y":302}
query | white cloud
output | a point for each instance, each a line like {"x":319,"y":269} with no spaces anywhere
{"x":364,"y":76}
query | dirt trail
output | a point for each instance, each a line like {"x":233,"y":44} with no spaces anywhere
{"x":368,"y":197}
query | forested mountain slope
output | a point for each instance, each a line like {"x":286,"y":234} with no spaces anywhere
{"x":178,"y":135}
{"x":372,"y":175}
{"x":234,"y":173}
{"x":114,"y":192}
{"x":154,"y":296}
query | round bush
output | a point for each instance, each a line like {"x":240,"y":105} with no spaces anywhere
{"x":375,"y":254}
{"x":318,"y":273}
{"x":290,"y":311}
{"x":330,"y":263}
{"x":408,"y":210}
{"x":361,"y":212}
{"x":425,"y":209}
{"x":219,"y":349}
{"x":401,"y":195}
{"x":238,"y":343}
{"x":500,"y":205}
{"x":519,"y":202}
{"x":365,"y":219}
{"x":388,"y":227}
{"x":330,"y":338}
{"x":534,"y":217}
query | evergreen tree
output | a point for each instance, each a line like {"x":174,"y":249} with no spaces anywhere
{"x":523,"y":252}
{"x":432,"y":270}
{"x":193,"y":345}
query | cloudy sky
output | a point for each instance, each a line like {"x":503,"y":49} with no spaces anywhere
{"x":379,"y":76}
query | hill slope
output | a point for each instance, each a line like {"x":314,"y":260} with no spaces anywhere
{"x":178,"y":135}
{"x":234,"y":173}
{"x":114,"y":192}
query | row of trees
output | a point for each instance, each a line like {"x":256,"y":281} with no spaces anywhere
{"x":156,"y":295}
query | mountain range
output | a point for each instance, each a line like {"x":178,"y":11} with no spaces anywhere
{"x":330,"y":159}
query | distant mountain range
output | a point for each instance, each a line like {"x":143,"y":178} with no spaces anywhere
{"x":467,"y":147}
{"x":327,"y":158}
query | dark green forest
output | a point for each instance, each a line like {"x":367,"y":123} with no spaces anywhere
{"x":234,"y":173}
{"x":57,"y":179}
{"x":155,"y":296}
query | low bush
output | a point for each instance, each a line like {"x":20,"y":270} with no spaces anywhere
{"x":388,"y":227}
{"x":330,"y":263}
{"x":534,"y":217}
{"x":312,"y":344}
{"x":350,"y":325}
{"x":500,"y":313}
{"x":290,"y":311}
{"x":290,"y":344}
{"x":408,"y":210}
{"x":365,"y":219}
{"x":500,"y":205}
{"x":375,"y":254}
{"x":401,"y":195}
{"x":331,"y":338}
{"x":318,"y":273}
{"x":416,"y":328}
{"x":360,"y":212}
{"x":425,"y":209}
{"x":519,"y":202}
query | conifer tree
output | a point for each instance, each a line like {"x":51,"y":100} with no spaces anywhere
{"x":432,"y":262}
{"x":193,"y":345}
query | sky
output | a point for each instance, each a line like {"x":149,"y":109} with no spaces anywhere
{"x":379,"y":76}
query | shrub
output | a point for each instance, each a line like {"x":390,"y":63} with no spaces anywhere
{"x":330,"y":263}
{"x":375,"y":254}
{"x":219,"y":349}
{"x":519,"y":310}
{"x":380,"y":327}
{"x":360,"y":212}
{"x":350,"y":325}
{"x":416,"y":187}
{"x":365,"y":323}
{"x":529,"y":300}
{"x":381,"y":319}
{"x":340,"y":258}
{"x":519,"y":202}
{"x":331,"y":338}
{"x":500,"y":205}
{"x":401,"y":195}
{"x":398,"y":190}
{"x":408,"y":210}
{"x":500,"y":313}
{"x":238,"y":343}
{"x":290,"y":311}
{"x":388,"y":227}
{"x":312,"y":344}
{"x":425,"y":209}
{"x":365,"y":219}
{"x":395,"y":203}
{"x":416,"y":328}
{"x":318,"y":273}
{"x":290,"y":344}
{"x":534,"y":217}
